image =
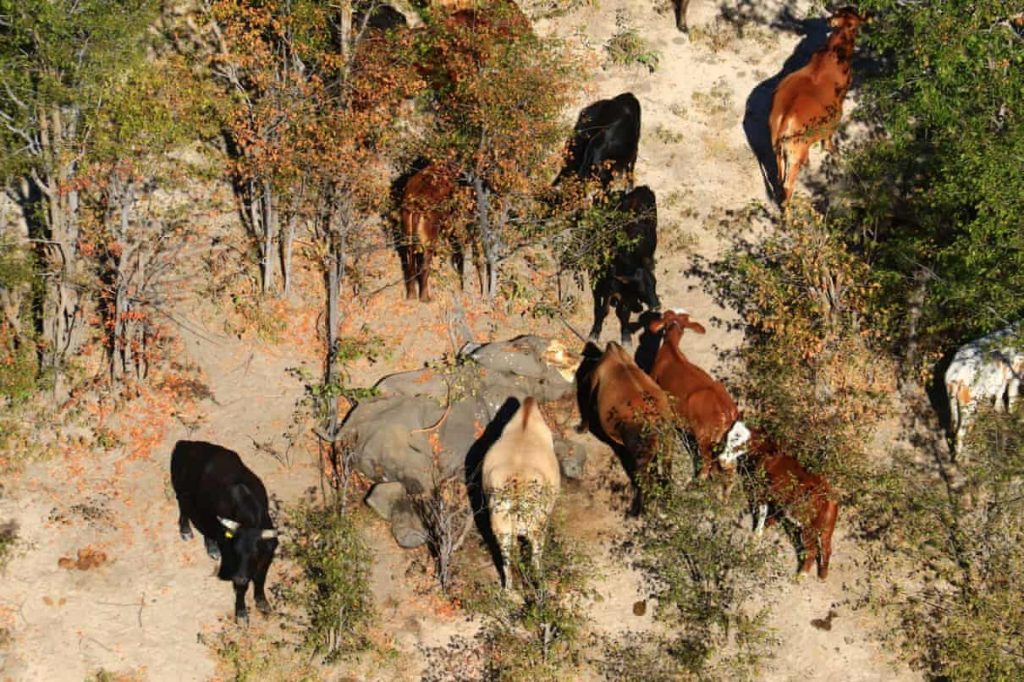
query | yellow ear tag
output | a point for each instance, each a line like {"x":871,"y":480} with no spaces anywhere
{"x":228,"y":534}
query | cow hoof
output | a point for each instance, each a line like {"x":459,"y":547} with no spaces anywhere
{"x":801,"y":575}
{"x":264,"y":606}
{"x":213,"y":550}
{"x":186,"y":534}
{"x":242,"y":618}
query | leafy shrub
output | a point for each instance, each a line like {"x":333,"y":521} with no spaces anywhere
{"x":628,"y":47}
{"x":705,"y":570}
{"x":817,"y":375}
{"x":334,"y":591}
{"x":18,"y":361}
{"x":249,"y":655}
{"x":937,"y":194}
{"x":963,"y":612}
{"x":533,"y":633}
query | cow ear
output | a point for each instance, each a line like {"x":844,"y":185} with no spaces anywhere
{"x":228,"y":523}
{"x":695,"y":326}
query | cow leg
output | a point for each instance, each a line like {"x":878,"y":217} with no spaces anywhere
{"x":428,"y":255}
{"x":258,"y":583}
{"x":1012,"y":391}
{"x":506,"y":559}
{"x":760,"y":516}
{"x":409,"y":271}
{"x":636,"y":508}
{"x":809,"y":538}
{"x":212,"y":549}
{"x":681,"y":6}
{"x":796,"y":158}
{"x":184,"y":528}
{"x":602,"y":304}
{"x":622,"y":312}
{"x":241,"y":613}
{"x":825,"y":538}
{"x":966,"y":411}
{"x":705,"y":461}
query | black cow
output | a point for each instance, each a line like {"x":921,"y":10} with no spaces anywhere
{"x":628,"y":281}
{"x":227,"y":503}
{"x":605,"y":141}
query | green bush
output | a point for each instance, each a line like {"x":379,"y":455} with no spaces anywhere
{"x":963,"y":612}
{"x":534,"y":632}
{"x":705,"y":572}
{"x":334,"y":590}
{"x":628,"y":47}
{"x":938,"y":194}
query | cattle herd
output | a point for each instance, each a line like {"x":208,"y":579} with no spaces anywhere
{"x":643,"y":416}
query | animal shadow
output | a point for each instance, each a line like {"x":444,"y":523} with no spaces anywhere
{"x":759,"y":102}
{"x":474,"y":481}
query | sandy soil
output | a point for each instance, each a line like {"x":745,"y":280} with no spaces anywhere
{"x":142,"y":610}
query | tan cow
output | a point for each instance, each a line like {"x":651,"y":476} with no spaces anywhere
{"x":521,"y":480}
{"x":634,"y":415}
{"x":808,"y":104}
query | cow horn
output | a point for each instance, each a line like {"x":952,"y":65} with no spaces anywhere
{"x":268,"y":534}
{"x":228,"y":523}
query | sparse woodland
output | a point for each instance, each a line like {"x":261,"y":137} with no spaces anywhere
{"x":172,"y":168}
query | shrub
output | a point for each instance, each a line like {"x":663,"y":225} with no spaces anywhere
{"x":963,"y":612}
{"x":628,"y":47}
{"x":534,"y":633}
{"x":817,"y":375}
{"x":334,"y":591}
{"x":705,"y":570}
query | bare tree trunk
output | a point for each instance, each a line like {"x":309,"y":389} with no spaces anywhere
{"x":61,"y":309}
{"x":335,"y":276}
{"x":269,"y":216}
{"x":488,"y":237}
{"x":345,"y":12}
{"x":287,"y":243}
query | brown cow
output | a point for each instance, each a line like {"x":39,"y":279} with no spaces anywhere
{"x":704,"y":407}
{"x":428,"y":211}
{"x":805,"y":498}
{"x":808,"y":104}
{"x":633,"y":413}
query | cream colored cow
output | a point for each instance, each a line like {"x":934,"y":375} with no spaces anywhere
{"x":521,"y":480}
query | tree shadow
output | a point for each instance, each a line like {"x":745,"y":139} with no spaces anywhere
{"x":474,"y":482}
{"x":759,"y":102}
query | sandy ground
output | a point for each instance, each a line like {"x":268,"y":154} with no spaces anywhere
{"x":143,"y":609}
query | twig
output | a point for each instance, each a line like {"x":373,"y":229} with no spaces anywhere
{"x":447,"y":409}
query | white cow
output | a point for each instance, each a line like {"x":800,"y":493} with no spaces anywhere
{"x":521,"y":480}
{"x":986,"y":369}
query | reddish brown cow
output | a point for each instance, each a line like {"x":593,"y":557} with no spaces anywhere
{"x":704,"y":406}
{"x":633,"y":413}
{"x":805,"y":498}
{"x":429,"y":211}
{"x":808,"y":104}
